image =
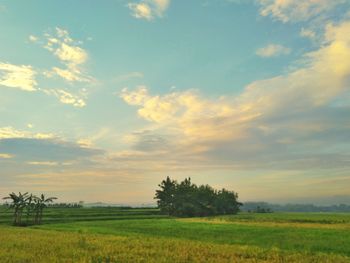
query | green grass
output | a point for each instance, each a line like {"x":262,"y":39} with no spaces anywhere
{"x":145,"y":236}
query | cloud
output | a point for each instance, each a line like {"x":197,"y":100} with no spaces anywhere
{"x":6,"y":156}
{"x":295,"y":10}
{"x":149,"y":9}
{"x":41,"y":148}
{"x":69,"y":54}
{"x":273,"y":50}
{"x":128,"y":76}
{"x":308,"y":33}
{"x":43,"y":163}
{"x":291,"y":121}
{"x":18,"y":76}
{"x":67,"y":98}
{"x":10,"y":132}
{"x":32,"y":38}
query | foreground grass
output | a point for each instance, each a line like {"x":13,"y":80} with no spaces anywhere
{"x":288,"y":238}
{"x":144,"y":236}
{"x":36,"y":245}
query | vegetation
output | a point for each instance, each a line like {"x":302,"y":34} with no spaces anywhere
{"x":251,"y":206}
{"x":29,"y":204}
{"x":123,"y":234}
{"x":245,"y":237}
{"x":188,"y":199}
{"x":67,"y":205}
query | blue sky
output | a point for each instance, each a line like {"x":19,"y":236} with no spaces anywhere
{"x":100,"y":101}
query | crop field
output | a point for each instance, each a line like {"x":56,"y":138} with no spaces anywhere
{"x":142,"y":235}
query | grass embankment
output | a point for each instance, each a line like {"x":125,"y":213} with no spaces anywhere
{"x":277,"y":237}
{"x":64,"y":215}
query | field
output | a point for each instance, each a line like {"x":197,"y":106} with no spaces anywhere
{"x":142,"y":235}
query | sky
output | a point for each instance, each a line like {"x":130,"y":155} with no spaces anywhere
{"x":101,"y":100}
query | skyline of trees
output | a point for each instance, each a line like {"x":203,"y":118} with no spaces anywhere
{"x":188,"y":199}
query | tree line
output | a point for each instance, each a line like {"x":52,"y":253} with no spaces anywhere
{"x":29,"y":206}
{"x":253,"y":207}
{"x":188,"y":199}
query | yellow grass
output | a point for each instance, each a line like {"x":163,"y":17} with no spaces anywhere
{"x":34,"y":245}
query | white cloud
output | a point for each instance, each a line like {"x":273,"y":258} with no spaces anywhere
{"x":149,"y":9}
{"x":308,"y":33}
{"x":9,"y":132}
{"x":255,"y":128}
{"x":6,"y":156}
{"x":33,"y":38}
{"x":273,"y":50}
{"x":70,"y":54}
{"x":296,"y":10}
{"x":47,"y":163}
{"x":18,"y":76}
{"x":67,"y":98}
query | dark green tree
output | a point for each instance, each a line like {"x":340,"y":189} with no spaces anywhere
{"x":166,"y":196}
{"x":188,"y":199}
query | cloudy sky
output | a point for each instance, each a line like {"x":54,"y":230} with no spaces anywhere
{"x":100,"y":100}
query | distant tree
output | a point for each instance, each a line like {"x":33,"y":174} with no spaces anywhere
{"x":166,"y":196}
{"x":188,"y":199}
{"x":227,"y":202}
{"x":185,"y":199}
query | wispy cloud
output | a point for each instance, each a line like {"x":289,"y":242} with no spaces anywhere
{"x":295,"y":10}
{"x":43,"y":163}
{"x":18,"y":76}
{"x":308,"y":33}
{"x":273,"y":50}
{"x":149,"y":9}
{"x":67,"y":98}
{"x":128,"y":76}
{"x":6,"y":156}
{"x":70,"y":54}
{"x":10,"y":132}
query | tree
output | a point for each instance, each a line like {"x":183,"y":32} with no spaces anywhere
{"x":30,"y":204}
{"x":188,"y":199}
{"x":165,"y":196}
{"x":19,"y":203}
{"x":40,"y":203}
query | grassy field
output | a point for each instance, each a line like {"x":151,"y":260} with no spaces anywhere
{"x":141,"y":235}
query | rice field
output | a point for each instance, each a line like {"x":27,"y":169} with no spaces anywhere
{"x":142,"y":235}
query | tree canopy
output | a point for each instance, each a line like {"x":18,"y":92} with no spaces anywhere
{"x":188,"y":199}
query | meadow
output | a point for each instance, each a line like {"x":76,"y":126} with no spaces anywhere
{"x":143,"y":235}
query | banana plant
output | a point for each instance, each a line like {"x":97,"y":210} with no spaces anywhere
{"x":19,"y":203}
{"x":40,"y":203}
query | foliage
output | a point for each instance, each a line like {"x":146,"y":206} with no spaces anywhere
{"x":29,"y":204}
{"x":251,"y":206}
{"x":188,"y":199}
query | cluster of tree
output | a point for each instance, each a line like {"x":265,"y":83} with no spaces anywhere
{"x":252,"y":207}
{"x":27,"y":205}
{"x":188,"y":199}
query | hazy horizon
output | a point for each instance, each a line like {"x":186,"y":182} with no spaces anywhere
{"x":100,"y":101}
